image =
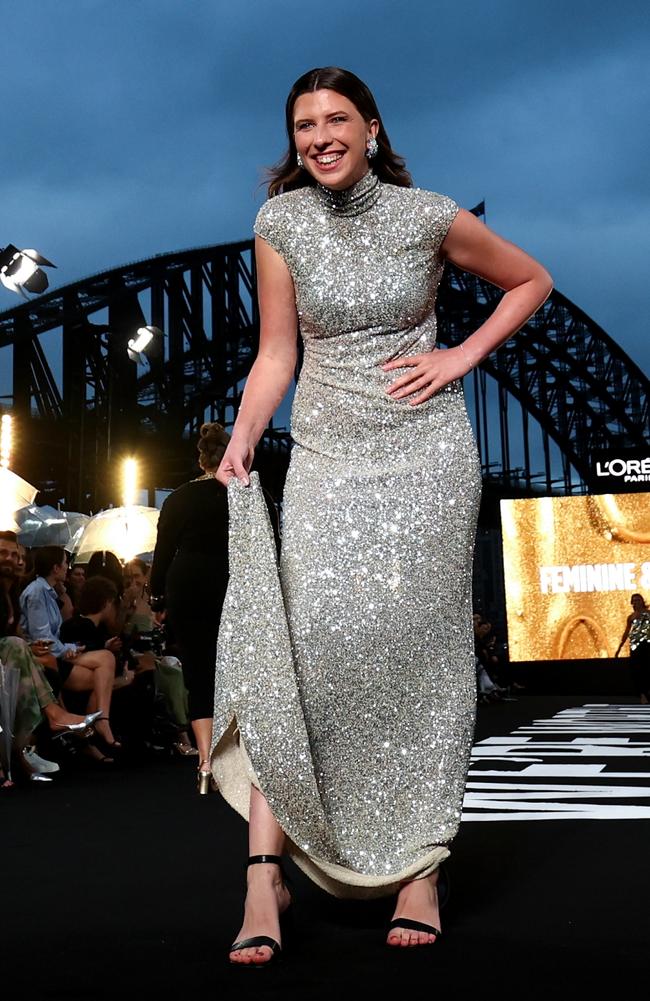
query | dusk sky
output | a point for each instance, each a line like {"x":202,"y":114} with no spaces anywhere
{"x":136,"y":127}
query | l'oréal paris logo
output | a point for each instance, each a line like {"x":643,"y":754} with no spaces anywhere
{"x":630,"y":470}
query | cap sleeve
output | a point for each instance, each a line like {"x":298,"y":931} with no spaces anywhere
{"x":442,"y":211}
{"x":267,"y":225}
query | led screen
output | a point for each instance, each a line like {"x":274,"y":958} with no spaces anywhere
{"x":571,"y":566}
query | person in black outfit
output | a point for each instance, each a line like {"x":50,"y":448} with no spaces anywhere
{"x":637,"y":630}
{"x":92,"y":627}
{"x":103,"y":563}
{"x":189,"y":578}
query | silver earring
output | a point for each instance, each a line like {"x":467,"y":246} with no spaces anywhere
{"x":372,"y":148}
{"x":299,"y":160}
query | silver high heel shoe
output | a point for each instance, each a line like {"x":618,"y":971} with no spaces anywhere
{"x":84,"y":729}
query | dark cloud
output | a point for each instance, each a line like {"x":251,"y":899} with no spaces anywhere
{"x":135,"y":128}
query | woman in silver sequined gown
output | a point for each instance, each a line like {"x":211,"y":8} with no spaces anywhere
{"x":345,"y":693}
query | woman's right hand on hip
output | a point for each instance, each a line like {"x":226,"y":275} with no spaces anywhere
{"x":237,"y":461}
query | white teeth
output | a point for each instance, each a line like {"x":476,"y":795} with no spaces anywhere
{"x":329,"y":159}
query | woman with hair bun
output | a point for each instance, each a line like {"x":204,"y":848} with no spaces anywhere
{"x":345,"y":695}
{"x":188,"y":581}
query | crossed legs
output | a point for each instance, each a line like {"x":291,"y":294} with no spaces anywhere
{"x":94,"y":672}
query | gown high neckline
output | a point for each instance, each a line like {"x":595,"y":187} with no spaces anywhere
{"x":355,"y":200}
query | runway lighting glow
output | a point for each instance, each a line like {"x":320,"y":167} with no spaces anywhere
{"x":129,"y":482}
{"x":6,"y":440}
{"x":138,"y":345}
{"x":22,"y":269}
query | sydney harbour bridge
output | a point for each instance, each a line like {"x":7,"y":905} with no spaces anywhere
{"x":541,"y":405}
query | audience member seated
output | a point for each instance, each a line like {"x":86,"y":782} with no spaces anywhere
{"x":93,"y":625}
{"x":96,"y":625}
{"x":147,"y":643}
{"x":9,"y":584}
{"x":25,"y":566}
{"x":21,"y":566}
{"x":75,"y":580}
{"x":35,"y":701}
{"x":106,"y":564}
{"x":36,"y":704}
{"x":70,"y":667}
{"x":487,"y":688}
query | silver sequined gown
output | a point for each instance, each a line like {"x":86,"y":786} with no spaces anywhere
{"x":346,"y":689}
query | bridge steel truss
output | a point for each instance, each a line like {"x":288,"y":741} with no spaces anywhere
{"x":562,"y":381}
{"x":571,"y":381}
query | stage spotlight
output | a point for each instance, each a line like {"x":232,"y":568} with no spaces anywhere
{"x":137,"y":346}
{"x":21,"y":269}
{"x":129,"y":482}
{"x":6,"y":440}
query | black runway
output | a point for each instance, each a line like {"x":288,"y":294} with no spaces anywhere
{"x":129,"y":884}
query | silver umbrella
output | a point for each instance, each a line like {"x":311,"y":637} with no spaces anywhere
{"x":45,"y":526}
{"x":9,"y":681}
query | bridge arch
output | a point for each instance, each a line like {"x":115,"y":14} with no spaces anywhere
{"x":541,"y":404}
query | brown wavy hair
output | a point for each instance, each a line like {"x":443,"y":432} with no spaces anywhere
{"x":286,"y":175}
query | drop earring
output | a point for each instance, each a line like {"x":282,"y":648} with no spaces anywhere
{"x":299,"y":160}
{"x":372,"y":148}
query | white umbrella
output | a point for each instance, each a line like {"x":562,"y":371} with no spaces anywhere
{"x":125,"y":531}
{"x":14,"y":494}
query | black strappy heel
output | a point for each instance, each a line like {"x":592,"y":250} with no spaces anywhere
{"x":259,"y":940}
{"x":411,"y":925}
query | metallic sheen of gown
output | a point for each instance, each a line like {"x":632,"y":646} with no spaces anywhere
{"x":345,"y":685}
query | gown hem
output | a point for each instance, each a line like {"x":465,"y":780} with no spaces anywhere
{"x":234,"y":774}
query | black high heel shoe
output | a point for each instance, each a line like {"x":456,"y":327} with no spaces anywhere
{"x":258,"y":940}
{"x":443,"y":889}
{"x":113,"y":746}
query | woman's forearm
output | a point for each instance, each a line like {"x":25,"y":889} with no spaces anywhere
{"x":265,"y":388}
{"x":514,"y":310}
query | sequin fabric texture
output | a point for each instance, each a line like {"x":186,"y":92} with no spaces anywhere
{"x":346,"y":684}
{"x":640,"y":630}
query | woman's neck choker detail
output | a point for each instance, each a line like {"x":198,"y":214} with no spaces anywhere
{"x":355,"y":200}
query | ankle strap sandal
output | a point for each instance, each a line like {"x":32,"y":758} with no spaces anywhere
{"x":443,"y":896}
{"x":260,"y":940}
{"x":265,"y":859}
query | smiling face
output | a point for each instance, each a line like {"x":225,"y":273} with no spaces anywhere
{"x":331,"y":136}
{"x":137,"y":578}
